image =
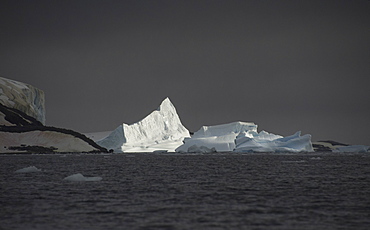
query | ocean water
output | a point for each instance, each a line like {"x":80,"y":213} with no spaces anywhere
{"x":186,"y":191}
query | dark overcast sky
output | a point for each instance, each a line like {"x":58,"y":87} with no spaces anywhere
{"x":285,"y":65}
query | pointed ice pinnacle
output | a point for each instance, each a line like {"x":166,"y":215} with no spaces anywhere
{"x":161,"y":130}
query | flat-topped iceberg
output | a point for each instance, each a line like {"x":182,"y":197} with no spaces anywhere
{"x":218,"y":138}
{"x":161,"y":130}
{"x":243,"y":137}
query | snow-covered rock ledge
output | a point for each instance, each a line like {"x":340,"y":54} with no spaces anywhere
{"x":44,"y":139}
{"x":23,"y":97}
{"x":22,"y":119}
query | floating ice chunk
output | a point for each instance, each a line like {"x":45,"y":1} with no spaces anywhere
{"x":80,"y":177}
{"x":28,"y":170}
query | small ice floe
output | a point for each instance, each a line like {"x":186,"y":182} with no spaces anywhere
{"x":28,"y":170}
{"x":315,"y":158}
{"x":80,"y":177}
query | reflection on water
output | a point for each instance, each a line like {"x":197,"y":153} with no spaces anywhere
{"x":173,"y":191}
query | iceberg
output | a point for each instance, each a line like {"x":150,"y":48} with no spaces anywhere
{"x":22,"y":124}
{"x":160,"y":131}
{"x":243,"y":137}
{"x":217,"y":138}
{"x":80,"y":177}
{"x":28,"y":170}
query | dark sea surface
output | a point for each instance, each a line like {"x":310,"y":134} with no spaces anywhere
{"x":187,"y":191}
